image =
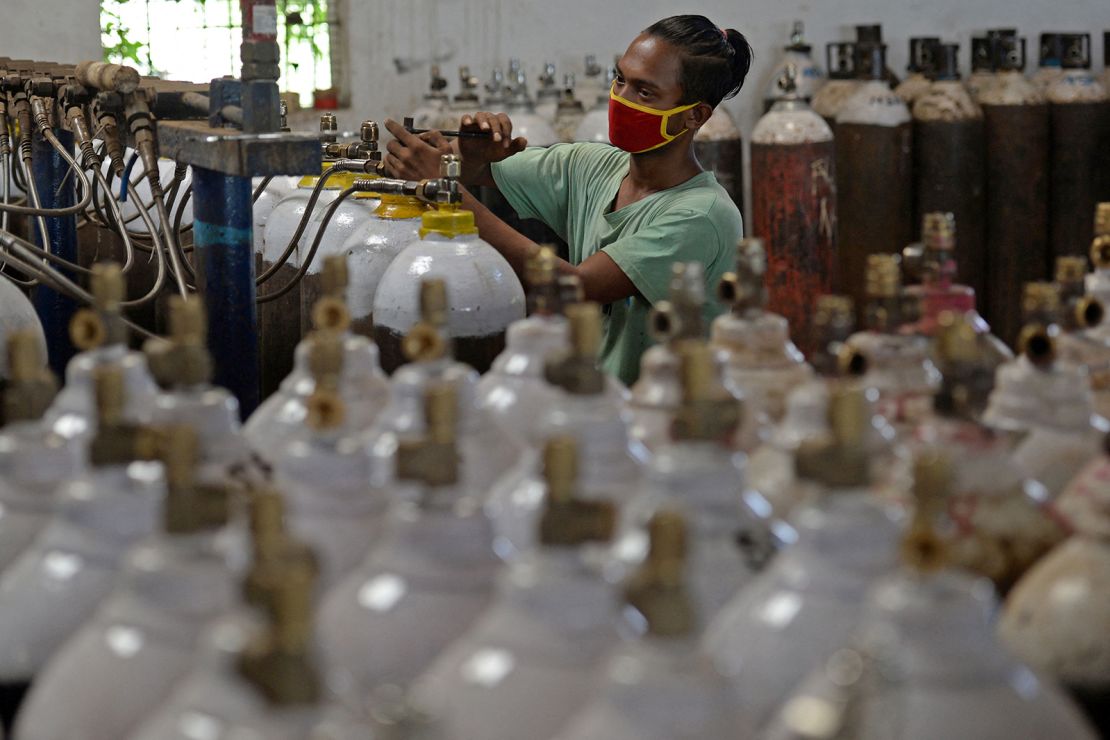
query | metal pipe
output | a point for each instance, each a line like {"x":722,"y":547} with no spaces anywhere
{"x":225,"y":279}
{"x":55,"y":309}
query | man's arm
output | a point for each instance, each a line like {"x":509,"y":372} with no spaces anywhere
{"x":414,"y":157}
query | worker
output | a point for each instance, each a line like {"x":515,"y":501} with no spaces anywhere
{"x":627,"y":211}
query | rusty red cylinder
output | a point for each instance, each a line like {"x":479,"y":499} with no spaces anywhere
{"x":874,"y":164}
{"x":949,"y":166}
{"x":1015,"y":122}
{"x":794,"y":210}
{"x":1080,"y":123}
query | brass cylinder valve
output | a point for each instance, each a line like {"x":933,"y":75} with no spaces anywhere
{"x":279,"y":663}
{"x":1040,"y":303}
{"x":325,"y":408}
{"x":426,"y":341}
{"x":658,"y":590}
{"x":102,"y":324}
{"x":968,"y":375}
{"x":834,"y":321}
{"x":883,"y":285}
{"x":1038,"y":343}
{"x":680,"y":317}
{"x":922,"y":547}
{"x":116,"y":441}
{"x":541,"y":278}
{"x":708,"y":411}
{"x":330,"y":311}
{"x":744,"y":289}
{"x":567,"y":520}
{"x":190,"y":506}
{"x":183,"y":359}
{"x":433,"y":460}
{"x":31,"y":386}
{"x":840,"y":460}
{"x":272,"y":547}
{"x":576,"y":371}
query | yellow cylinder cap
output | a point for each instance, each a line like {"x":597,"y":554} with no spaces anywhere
{"x":448,"y":220}
{"x":338,"y":181}
{"x":398,"y":207}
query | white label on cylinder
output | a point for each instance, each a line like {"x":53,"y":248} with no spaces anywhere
{"x":265,"y":20}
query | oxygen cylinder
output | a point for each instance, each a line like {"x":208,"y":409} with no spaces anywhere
{"x":1015,"y":120}
{"x":874,"y":161}
{"x":1049,"y":67}
{"x":719,"y":147}
{"x":949,"y":168}
{"x":1080,"y":125}
{"x":809,"y":75}
{"x":841,"y":61}
{"x":922,"y":68}
{"x":794,"y":204}
{"x":568,"y":112}
{"x":483,"y":292}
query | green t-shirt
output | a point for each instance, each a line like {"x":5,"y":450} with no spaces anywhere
{"x":571,"y":188}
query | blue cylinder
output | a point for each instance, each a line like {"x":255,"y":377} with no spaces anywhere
{"x":55,"y":309}
{"x":225,"y":279}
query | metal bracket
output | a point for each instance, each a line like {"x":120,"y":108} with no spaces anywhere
{"x":238,"y":154}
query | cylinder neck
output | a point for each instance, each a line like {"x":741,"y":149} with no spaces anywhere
{"x":948,"y":62}
{"x":1075,"y":50}
{"x":840,"y":57}
{"x":923,"y":55}
{"x":1009,"y":54}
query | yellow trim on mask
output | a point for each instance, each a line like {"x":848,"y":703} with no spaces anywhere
{"x":665,"y":116}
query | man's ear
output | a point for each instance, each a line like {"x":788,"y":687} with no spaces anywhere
{"x":698,"y":115}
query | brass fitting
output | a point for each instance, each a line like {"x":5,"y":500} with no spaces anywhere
{"x":325,"y":408}
{"x":955,"y":340}
{"x":850,"y":362}
{"x":833,"y":323}
{"x":1071,"y":269}
{"x":883,"y":288}
{"x":680,"y":317}
{"x":540,"y":276}
{"x":1041,"y":302}
{"x":190,"y":506}
{"x":568,"y":521}
{"x":839,"y":460}
{"x":1100,"y":251}
{"x":183,"y":360}
{"x":1087,"y":312}
{"x":329,"y":127}
{"x":433,"y":460}
{"x":744,"y":289}
{"x":1038,"y":343}
{"x":922,"y":548}
{"x":426,"y":340}
{"x":273,"y":548}
{"x":330,"y":311}
{"x":278,"y":663}
{"x":657,"y":590}
{"x":103,"y":324}
{"x":117,"y":442}
{"x":31,"y":386}
{"x":708,"y":411}
{"x":576,"y":371}
{"x":938,"y":231}
{"x":1102,"y":219}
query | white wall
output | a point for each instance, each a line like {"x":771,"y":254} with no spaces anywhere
{"x":54,"y":30}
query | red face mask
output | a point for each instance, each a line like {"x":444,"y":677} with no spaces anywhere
{"x":636,"y":128}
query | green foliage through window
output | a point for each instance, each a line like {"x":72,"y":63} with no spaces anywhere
{"x":198,"y":40}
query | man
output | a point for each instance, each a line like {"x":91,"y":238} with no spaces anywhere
{"x":627,"y":213}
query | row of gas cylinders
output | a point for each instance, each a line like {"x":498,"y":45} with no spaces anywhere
{"x":745,"y":544}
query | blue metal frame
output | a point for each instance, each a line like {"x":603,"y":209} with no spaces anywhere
{"x":55,"y":310}
{"x":225,"y":280}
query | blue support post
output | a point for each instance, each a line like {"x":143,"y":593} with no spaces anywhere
{"x":55,"y":309}
{"x":225,"y":279}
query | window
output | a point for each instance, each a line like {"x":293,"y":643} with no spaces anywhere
{"x":198,"y":40}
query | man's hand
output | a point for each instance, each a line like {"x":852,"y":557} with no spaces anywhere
{"x":413,"y":157}
{"x":478,"y":153}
